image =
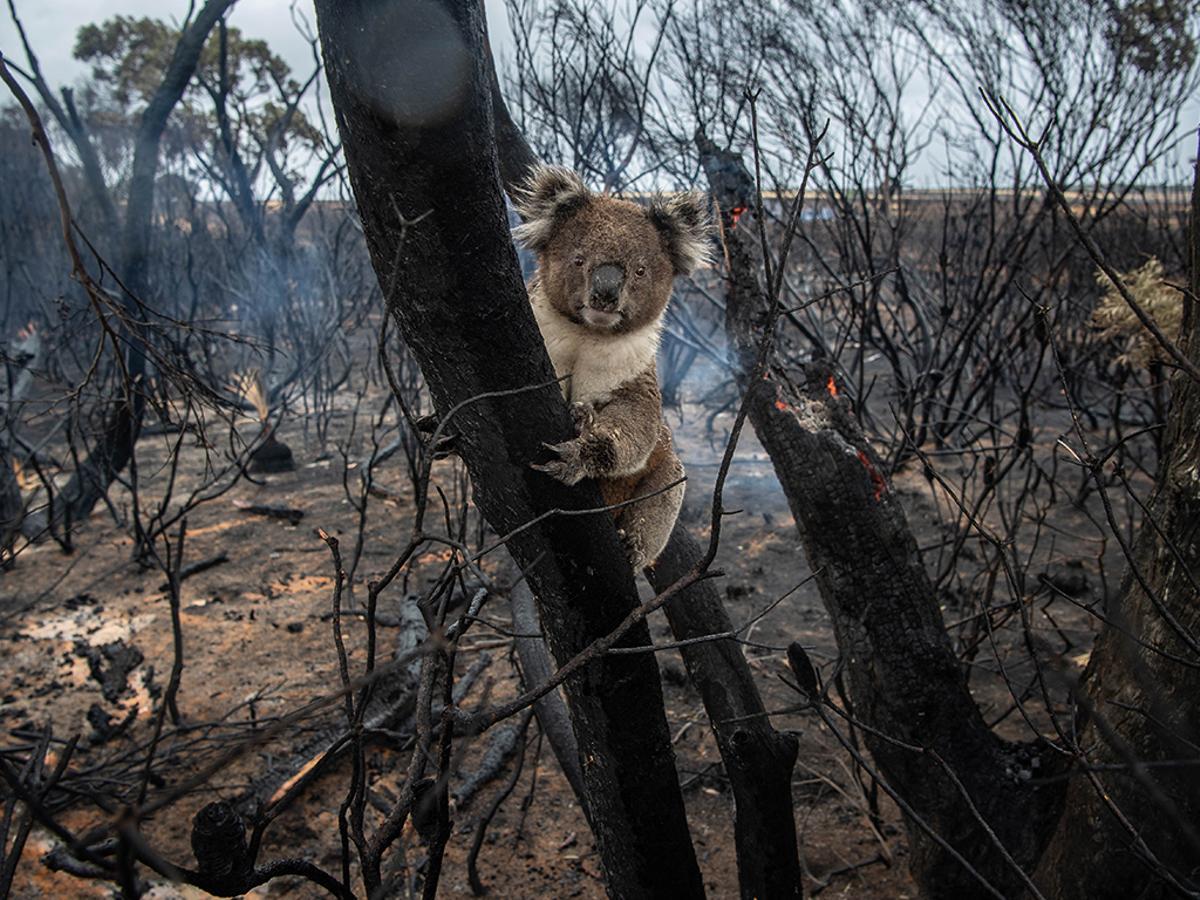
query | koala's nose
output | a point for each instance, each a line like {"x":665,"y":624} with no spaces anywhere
{"x":606,"y":286}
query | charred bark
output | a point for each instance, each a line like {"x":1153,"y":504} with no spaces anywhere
{"x":514,"y":155}
{"x":537,"y":668}
{"x":904,"y":678}
{"x":409,"y":84}
{"x":1132,"y":826}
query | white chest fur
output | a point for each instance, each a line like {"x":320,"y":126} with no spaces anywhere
{"x":598,"y":363}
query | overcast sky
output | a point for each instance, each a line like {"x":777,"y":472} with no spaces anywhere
{"x":51,"y":26}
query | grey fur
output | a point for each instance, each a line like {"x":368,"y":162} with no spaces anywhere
{"x":686,"y":221}
{"x":550,"y":193}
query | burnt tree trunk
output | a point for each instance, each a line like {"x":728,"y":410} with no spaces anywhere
{"x":115,"y":443}
{"x":904,"y":678}
{"x":409,"y":84}
{"x":757,"y":758}
{"x":1135,"y":831}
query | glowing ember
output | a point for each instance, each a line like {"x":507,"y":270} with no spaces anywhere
{"x":831,"y":386}
{"x":781,"y":406}
{"x":876,"y":478}
{"x":736,"y":213}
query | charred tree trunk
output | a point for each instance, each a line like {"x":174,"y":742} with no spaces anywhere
{"x":757,"y":758}
{"x":115,"y":443}
{"x":1133,"y":829}
{"x":409,"y":84}
{"x":905,"y":680}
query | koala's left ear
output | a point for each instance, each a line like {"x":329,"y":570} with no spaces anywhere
{"x":686,"y":227}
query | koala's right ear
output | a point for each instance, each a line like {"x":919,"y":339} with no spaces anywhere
{"x":550,"y":194}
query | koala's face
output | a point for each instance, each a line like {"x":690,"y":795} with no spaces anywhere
{"x":605,"y":267}
{"x":609,"y":264}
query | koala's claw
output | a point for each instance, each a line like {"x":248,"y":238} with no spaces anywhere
{"x":568,"y":468}
{"x":634,"y":549}
{"x":559,"y":470}
{"x":584,"y":417}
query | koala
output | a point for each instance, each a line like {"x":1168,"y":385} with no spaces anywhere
{"x":605,"y":269}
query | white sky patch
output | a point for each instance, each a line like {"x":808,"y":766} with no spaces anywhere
{"x":51,"y":26}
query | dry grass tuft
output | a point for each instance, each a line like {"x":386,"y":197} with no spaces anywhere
{"x":250,"y":386}
{"x":1116,"y":321}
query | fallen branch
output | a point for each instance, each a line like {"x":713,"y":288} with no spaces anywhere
{"x":293,"y":516}
{"x":197,"y":567}
{"x":478,"y":888}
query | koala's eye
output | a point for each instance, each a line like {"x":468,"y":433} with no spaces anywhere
{"x":579,"y":260}
{"x":641,"y":270}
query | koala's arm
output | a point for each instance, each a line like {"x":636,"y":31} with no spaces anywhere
{"x":616,"y":439}
{"x":619,"y":436}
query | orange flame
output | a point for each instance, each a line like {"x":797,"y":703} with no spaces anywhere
{"x":736,"y":213}
{"x":781,"y":406}
{"x":831,"y":386}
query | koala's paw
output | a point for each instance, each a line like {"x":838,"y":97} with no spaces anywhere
{"x":568,"y":468}
{"x":635,"y":548}
{"x":584,"y":417}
